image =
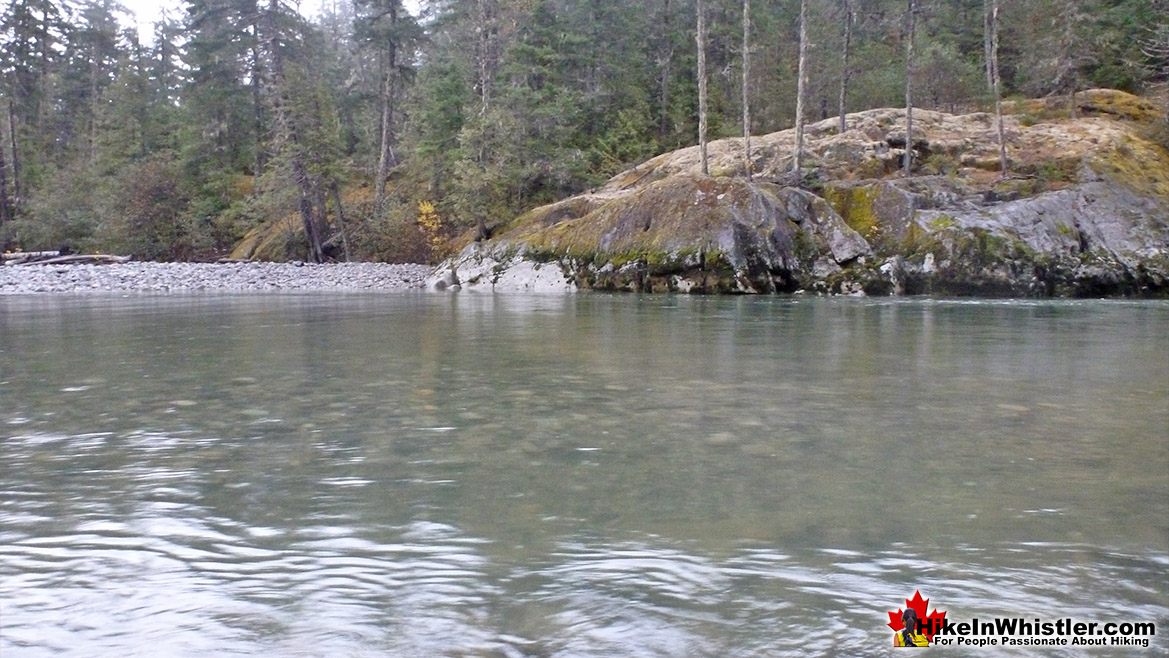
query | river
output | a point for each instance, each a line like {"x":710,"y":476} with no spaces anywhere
{"x":415,"y":474}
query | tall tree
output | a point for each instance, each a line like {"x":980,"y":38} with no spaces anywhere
{"x":910,"y":38}
{"x":849,"y":17}
{"x":987,"y":46}
{"x":665,"y":60}
{"x":6,"y":210}
{"x":801,"y":88}
{"x":386,"y":157}
{"x":91,"y":57}
{"x":223,"y":97}
{"x":1154,"y":44}
{"x":30,"y":33}
{"x":1071,"y":50}
{"x":290,"y":135}
{"x":747,"y":87}
{"x":488,"y":48}
{"x":386,"y":28}
{"x":996,"y":84}
{"x":700,"y":38}
{"x":10,"y":137}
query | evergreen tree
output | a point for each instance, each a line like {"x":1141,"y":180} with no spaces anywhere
{"x":386,"y":28}
{"x":90,"y":61}
{"x":32,"y":32}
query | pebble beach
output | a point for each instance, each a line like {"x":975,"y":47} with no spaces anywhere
{"x":209,"y":277}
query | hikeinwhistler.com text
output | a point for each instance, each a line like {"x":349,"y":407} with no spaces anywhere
{"x":1017,"y":631}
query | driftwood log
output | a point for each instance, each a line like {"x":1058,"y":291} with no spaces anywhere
{"x":15,"y":257}
{"x":55,"y":258}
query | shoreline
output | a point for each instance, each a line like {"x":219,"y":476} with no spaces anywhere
{"x":33,"y":279}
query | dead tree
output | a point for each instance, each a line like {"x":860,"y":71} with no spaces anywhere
{"x":911,"y":32}
{"x":801,"y":88}
{"x":845,"y":71}
{"x":996,"y":82}
{"x":747,"y":87}
{"x":701,"y":38}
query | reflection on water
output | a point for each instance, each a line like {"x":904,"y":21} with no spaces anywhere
{"x":590,"y":475}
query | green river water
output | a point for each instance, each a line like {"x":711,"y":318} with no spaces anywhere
{"x":418,"y":474}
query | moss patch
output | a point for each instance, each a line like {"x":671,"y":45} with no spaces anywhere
{"x":855,"y":206}
{"x":1139,"y":164}
{"x":1092,"y":102}
{"x":274,"y":241}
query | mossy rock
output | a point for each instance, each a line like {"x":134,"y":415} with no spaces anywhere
{"x":881,"y":212}
{"x":278,"y":241}
{"x":1091,"y":102}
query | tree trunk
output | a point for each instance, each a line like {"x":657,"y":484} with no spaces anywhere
{"x":987,"y":46}
{"x":701,"y":38}
{"x":801,"y":89}
{"x":1066,"y":76}
{"x":911,"y":32}
{"x":335,"y":191}
{"x":666,"y":59}
{"x":5,"y":203}
{"x":485,"y":56}
{"x":389,"y":91}
{"x":290,"y":136}
{"x":747,"y":87}
{"x":486,"y":59}
{"x":91,"y":137}
{"x":996,"y":85}
{"x":845,"y":71}
{"x":257,"y":103}
{"x":17,"y":198}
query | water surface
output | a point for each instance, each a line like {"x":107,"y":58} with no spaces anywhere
{"x":588,"y":475}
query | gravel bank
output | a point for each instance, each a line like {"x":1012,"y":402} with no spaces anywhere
{"x":180,"y":277}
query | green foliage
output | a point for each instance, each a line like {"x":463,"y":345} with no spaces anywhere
{"x":173,"y":149}
{"x":68,"y":218}
{"x":393,"y":237}
{"x":148,"y":216}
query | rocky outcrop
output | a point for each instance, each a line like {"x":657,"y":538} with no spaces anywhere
{"x":1085,"y":211}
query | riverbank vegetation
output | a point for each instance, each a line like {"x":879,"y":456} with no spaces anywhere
{"x":375,"y":129}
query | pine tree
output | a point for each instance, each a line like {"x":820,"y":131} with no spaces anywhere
{"x":292,"y":140}
{"x":1155,"y":47}
{"x":91,"y":54}
{"x":224,"y":95}
{"x":386,"y":28}
{"x":31,"y":31}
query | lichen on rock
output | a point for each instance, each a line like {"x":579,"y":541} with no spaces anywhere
{"x":1085,"y":211}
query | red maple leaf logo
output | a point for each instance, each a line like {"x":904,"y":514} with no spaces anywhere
{"x":931,"y":623}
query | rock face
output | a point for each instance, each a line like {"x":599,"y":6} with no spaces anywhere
{"x":1085,"y":211}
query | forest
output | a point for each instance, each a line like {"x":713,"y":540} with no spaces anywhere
{"x":378,"y":130}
